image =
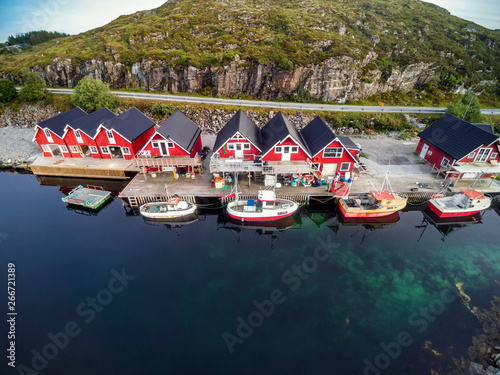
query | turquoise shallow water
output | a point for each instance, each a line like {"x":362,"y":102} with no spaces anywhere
{"x":133,"y":298}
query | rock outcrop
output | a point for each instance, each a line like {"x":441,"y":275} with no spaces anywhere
{"x":335,"y":80}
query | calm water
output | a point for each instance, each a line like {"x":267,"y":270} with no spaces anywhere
{"x":180,"y":296}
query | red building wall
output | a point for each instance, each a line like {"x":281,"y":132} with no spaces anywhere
{"x":493,"y":149}
{"x":175,"y":151}
{"x":198,"y":146}
{"x":41,"y":139}
{"x":347,"y":157}
{"x":250,"y":154}
{"x":299,"y":156}
{"x":434,"y":155}
{"x":71,"y":140}
{"x":102,"y":140}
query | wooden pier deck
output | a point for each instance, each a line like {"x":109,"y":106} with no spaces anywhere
{"x":82,"y":167}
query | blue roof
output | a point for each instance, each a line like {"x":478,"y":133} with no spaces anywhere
{"x":456,"y":137}
{"x":181,"y":130}
{"x":57,"y":123}
{"x":130,"y":124}
{"x":242,"y":124}
{"x":90,"y":123}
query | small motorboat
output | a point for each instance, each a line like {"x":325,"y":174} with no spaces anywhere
{"x":465,"y":203}
{"x":266,"y":208}
{"x":170,"y":209}
{"x":375,"y":204}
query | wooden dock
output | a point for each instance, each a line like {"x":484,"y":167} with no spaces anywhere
{"x":83,"y":167}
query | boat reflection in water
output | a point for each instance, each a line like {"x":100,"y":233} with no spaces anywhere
{"x":369,"y":224}
{"x":447,"y":225}
{"x":173,"y":223}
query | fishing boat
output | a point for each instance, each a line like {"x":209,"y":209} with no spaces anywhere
{"x":375,"y":204}
{"x":464,"y":203}
{"x":171,"y":208}
{"x":91,"y":197}
{"x":266,"y":208}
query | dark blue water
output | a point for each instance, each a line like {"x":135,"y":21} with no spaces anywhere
{"x":109,"y":294}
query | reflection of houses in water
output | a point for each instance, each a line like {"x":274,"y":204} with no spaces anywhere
{"x":271,"y":229}
{"x":447,"y":225}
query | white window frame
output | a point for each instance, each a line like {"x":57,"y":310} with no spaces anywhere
{"x":246,"y":146}
{"x":111,"y":137}
{"x":482,"y":155}
{"x":125,"y":151}
{"x":105,"y":150}
{"x":335,"y":153}
{"x":64,"y":149}
{"x":74,"y":149}
{"x":93,"y":150}
{"x":230,"y":146}
{"x":294,"y":150}
{"x":78,"y":136}
{"x":342,"y":169}
{"x":48,"y":135}
{"x":445,"y":162}
{"x":170,"y":144}
{"x":278,"y":150}
{"x":493,"y":155}
{"x":46,"y":148}
{"x":471,"y":155}
{"x":155,"y":144}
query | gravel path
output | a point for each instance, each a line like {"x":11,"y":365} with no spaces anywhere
{"x":16,"y":145}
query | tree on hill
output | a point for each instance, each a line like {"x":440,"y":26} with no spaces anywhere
{"x":8,"y":91}
{"x":91,"y":94}
{"x":34,"y":37}
{"x":33,"y":87}
{"x":467,"y":108}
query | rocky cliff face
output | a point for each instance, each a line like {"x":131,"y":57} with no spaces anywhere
{"x":336,"y":80}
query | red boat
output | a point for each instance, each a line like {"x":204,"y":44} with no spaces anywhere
{"x":465,"y":203}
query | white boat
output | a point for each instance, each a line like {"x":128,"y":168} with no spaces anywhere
{"x":170,"y":209}
{"x":266,"y":208}
{"x":465,"y":203}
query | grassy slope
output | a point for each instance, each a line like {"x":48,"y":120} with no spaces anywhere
{"x":287,"y":33}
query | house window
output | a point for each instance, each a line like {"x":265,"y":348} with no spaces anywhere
{"x":78,"y":135}
{"x":93,"y":150}
{"x":445,"y":163}
{"x":73,"y":149}
{"x":332,"y":152}
{"x":493,"y":155}
{"x":45,"y":148}
{"x":230,"y":146}
{"x":246,"y":146}
{"x":279,"y":149}
{"x":471,"y":155}
{"x":125,"y":151}
{"x":295,"y":149}
{"x":483,"y":154}
{"x":345,"y":167}
{"x":48,"y":135}
{"x":104,"y":150}
{"x":170,"y":145}
{"x":155,"y":145}
{"x":63,"y":148}
{"x":111,"y":137}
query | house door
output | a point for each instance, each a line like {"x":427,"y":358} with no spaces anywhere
{"x":84,"y":151}
{"x":329,"y":170}
{"x":285,"y":156}
{"x":163,"y":148}
{"x":424,"y":150}
{"x":238,"y":151}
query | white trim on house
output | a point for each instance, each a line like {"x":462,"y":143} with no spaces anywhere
{"x":105,"y":150}
{"x":342,"y":166}
{"x":46,"y":148}
{"x":127,"y":152}
{"x":64,"y":149}
{"x":48,"y":135}
{"x":327,"y":146}
{"x":481,"y":154}
{"x":74,"y":149}
{"x":166,"y":140}
{"x":231,"y":138}
{"x":93,"y":149}
{"x":283,"y":140}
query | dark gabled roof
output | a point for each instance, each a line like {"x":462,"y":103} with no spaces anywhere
{"x":317,"y":135}
{"x":456,"y":137}
{"x":241,"y":123}
{"x":486,"y":127}
{"x":181,"y":130}
{"x":57,"y":123}
{"x":90,"y":123}
{"x":276,"y":130}
{"x":130,"y":124}
{"x":348,"y":143}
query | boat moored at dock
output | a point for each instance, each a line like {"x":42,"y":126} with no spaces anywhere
{"x":170,"y":209}
{"x":464,"y":203}
{"x":374,"y":204}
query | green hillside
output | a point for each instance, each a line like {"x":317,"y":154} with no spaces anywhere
{"x":284,"y":33}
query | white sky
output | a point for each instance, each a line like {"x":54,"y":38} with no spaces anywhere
{"x":76,"y":16}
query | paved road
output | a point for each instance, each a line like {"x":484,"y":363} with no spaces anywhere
{"x":279,"y":105}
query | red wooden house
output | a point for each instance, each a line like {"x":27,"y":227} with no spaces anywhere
{"x":80,"y":134}
{"x":451,"y":143}
{"x":177,"y":136}
{"x":124,"y":135}
{"x":49,"y":134}
{"x":238,"y":139}
{"x":332,"y":154}
{"x":281,"y":141}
